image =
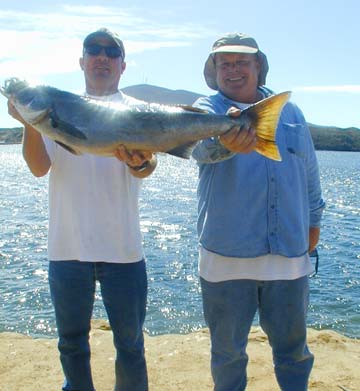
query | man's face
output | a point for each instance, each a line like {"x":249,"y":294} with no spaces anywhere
{"x":237,"y":75}
{"x":102,"y":72}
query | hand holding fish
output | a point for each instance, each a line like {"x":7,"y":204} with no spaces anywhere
{"x":239,"y":139}
{"x":141,"y":163}
{"x":133,"y":158}
{"x":14,"y":113}
{"x":34,"y":150}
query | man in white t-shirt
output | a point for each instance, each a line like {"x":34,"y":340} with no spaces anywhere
{"x":94,"y":232}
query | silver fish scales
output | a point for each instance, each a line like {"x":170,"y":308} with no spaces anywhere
{"x":84,"y":125}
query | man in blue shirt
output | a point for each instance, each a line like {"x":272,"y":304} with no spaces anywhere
{"x":258,"y":221}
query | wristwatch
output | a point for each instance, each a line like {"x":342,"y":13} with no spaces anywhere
{"x":143,"y":167}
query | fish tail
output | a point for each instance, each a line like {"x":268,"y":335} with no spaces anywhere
{"x":267,"y":113}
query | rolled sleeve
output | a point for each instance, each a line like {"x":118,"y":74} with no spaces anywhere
{"x":316,"y":202}
{"x":210,"y":150}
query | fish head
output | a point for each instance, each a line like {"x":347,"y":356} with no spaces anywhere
{"x":31,"y":103}
{"x":12,"y":86}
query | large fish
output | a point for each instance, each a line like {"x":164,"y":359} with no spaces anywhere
{"x":84,"y":125}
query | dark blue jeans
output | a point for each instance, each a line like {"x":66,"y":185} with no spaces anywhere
{"x":124,"y":293}
{"x":229,"y":310}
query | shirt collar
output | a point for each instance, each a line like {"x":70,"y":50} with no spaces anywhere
{"x":265,"y":92}
{"x":104,"y":98}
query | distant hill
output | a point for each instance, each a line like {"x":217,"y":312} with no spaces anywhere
{"x":150,"y":93}
{"x":10,"y":136}
{"x":330,"y":138}
{"x":324,"y":137}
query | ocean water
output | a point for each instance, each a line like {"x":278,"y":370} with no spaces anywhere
{"x":168,"y":215}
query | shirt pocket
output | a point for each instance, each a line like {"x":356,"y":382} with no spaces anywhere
{"x":295,"y":139}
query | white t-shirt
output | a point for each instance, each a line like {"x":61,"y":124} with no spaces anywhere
{"x":93,"y":205}
{"x":216,"y":268}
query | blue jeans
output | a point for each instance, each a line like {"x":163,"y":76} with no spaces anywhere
{"x":124,"y":292}
{"x":229,"y":310}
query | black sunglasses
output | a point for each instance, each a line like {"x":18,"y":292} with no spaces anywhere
{"x":110,"y":51}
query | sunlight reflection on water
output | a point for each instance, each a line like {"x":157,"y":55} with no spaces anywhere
{"x":168,"y":223}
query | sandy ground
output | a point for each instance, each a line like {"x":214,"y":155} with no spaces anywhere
{"x":175,"y":362}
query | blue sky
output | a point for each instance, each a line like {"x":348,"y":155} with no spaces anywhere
{"x":312,"y":46}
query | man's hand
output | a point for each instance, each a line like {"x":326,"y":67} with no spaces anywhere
{"x":314,"y":236}
{"x":135,"y":159}
{"x":238,"y":140}
{"x":34,"y":150}
{"x":14,"y":113}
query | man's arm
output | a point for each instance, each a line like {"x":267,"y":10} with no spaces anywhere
{"x":34,"y":151}
{"x":316,"y":202}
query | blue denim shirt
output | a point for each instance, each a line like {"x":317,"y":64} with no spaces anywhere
{"x":250,"y":205}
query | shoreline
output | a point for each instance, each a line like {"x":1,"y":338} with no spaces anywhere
{"x":175,"y":361}
{"x":317,"y":148}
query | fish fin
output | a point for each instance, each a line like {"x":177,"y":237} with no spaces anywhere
{"x":267,"y":148}
{"x":69,"y":149}
{"x":67,"y":128}
{"x":192,"y":109}
{"x":3,"y":92}
{"x":267,"y":113}
{"x":184,"y":151}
